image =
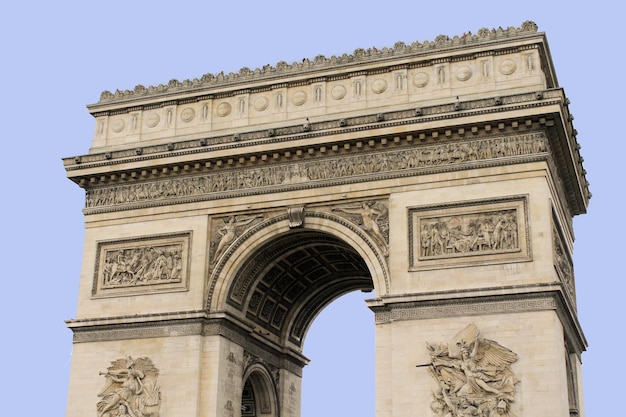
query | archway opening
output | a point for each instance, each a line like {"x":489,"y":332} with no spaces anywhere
{"x":258,"y":396}
{"x":284,"y":285}
{"x":340,"y":379}
{"x":298,"y":278}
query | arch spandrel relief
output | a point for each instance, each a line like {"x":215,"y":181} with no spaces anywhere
{"x":131,"y":389}
{"x":368,"y":219}
{"x":290,"y":273}
{"x":473,"y":375}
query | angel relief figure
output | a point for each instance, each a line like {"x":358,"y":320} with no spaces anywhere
{"x":474,"y":376}
{"x":130,"y":390}
{"x":370,"y":214}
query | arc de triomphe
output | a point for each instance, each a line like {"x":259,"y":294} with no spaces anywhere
{"x":222,"y":214}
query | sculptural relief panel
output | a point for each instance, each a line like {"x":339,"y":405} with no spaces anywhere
{"x":468,"y":232}
{"x":394,"y":162}
{"x":142,"y":265}
{"x":131,"y":389}
{"x":563,"y":263}
{"x":474,"y":376}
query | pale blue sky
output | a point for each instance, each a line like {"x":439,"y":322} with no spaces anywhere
{"x":59,"y":56}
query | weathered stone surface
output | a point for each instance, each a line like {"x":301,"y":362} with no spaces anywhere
{"x":223,"y":213}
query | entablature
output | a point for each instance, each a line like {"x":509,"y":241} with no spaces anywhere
{"x":452,"y":124}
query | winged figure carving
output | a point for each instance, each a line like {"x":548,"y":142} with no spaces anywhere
{"x":130,"y":389}
{"x":474,"y":376}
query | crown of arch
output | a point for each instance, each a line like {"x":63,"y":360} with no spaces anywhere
{"x":278,"y":279}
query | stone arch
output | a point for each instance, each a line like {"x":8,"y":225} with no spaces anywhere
{"x":259,"y":396}
{"x":331,"y":256}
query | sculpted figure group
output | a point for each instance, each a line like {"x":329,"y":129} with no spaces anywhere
{"x":495,"y":231}
{"x":319,"y":169}
{"x":130,"y":390}
{"x":474,"y":376}
{"x":142,"y":265}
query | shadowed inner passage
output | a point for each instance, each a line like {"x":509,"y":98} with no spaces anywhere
{"x":284,"y":285}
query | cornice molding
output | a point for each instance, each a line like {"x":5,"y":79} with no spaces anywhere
{"x":487,"y":301}
{"x":290,"y":133}
{"x":283,"y":70}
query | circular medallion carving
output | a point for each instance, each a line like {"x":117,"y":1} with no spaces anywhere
{"x":187,"y":114}
{"x":379,"y":86}
{"x":261,"y":103}
{"x":420,"y":79}
{"x":152,"y":120}
{"x":223,"y":109}
{"x":463,"y":73}
{"x":507,"y":67}
{"x":338,"y":92}
{"x":299,"y":98}
{"x":117,"y":126}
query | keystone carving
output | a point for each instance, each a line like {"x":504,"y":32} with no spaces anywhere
{"x":474,"y":376}
{"x":131,"y":389}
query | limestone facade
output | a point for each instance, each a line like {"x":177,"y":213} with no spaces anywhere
{"x":223,"y":213}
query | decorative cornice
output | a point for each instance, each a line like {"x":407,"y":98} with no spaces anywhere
{"x":500,"y":300}
{"x":286,"y":134}
{"x":282,"y":69}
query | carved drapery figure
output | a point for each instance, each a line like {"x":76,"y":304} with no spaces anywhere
{"x":370,"y":214}
{"x":474,"y":376}
{"x":233,"y":227}
{"x":131,"y":389}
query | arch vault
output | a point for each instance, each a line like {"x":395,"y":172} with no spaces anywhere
{"x":223,"y":214}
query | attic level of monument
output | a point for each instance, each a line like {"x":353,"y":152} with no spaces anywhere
{"x":442,"y":49}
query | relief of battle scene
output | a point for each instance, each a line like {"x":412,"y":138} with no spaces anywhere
{"x":473,"y":375}
{"x":480,"y":230}
{"x":461,"y":234}
{"x":145,"y":263}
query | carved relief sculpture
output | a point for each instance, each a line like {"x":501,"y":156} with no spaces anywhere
{"x":474,"y":376}
{"x":158,"y":262}
{"x":563,"y":263}
{"x":464,"y":233}
{"x":495,"y":231}
{"x":373,"y":218}
{"x":231,"y":228}
{"x":423,"y":157}
{"x":130,"y":389}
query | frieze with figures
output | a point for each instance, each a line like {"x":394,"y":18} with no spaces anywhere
{"x":318,"y":170}
{"x":140,"y":265}
{"x":482,"y":230}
